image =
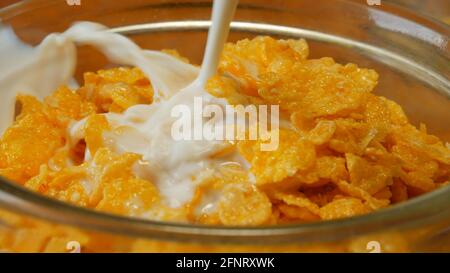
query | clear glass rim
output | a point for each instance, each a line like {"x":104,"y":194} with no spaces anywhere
{"x":19,"y":199}
{"x":16,"y":198}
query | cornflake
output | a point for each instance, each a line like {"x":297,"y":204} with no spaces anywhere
{"x":343,"y":151}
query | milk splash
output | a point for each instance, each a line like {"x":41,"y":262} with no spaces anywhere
{"x":144,"y":129}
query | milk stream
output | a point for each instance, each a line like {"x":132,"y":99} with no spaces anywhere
{"x":142,"y":129}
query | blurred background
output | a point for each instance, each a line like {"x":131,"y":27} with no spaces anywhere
{"x":439,"y":9}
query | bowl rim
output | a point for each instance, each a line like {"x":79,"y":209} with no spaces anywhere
{"x":421,"y":209}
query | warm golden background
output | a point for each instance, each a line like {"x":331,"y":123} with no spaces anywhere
{"x":437,"y":8}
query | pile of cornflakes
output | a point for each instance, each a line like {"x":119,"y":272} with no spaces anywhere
{"x":345,"y":152}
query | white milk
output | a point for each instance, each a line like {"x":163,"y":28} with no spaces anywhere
{"x":142,"y":129}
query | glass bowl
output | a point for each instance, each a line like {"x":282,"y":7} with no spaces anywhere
{"x":410,"y":51}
